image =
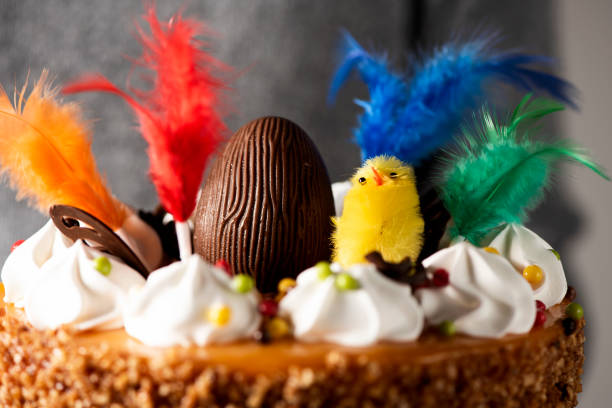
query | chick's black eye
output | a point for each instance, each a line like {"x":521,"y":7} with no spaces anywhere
{"x":362,"y":180}
{"x":393,"y":174}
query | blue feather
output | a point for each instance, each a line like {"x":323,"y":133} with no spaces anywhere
{"x":411,"y":120}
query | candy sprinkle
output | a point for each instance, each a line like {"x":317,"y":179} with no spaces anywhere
{"x":16,"y":244}
{"x":570,"y":294}
{"x":268,"y":307}
{"x":569,"y":326}
{"x":440,"y":278}
{"x":447,"y":328}
{"x":323,"y":270}
{"x":345,"y":281}
{"x":223,"y":264}
{"x":102,"y":265}
{"x":277,"y":328}
{"x":242,"y":283}
{"x":540,"y":318}
{"x":491,"y":250}
{"x":219,"y":315}
{"x":575,"y":311}
{"x":286,"y":284}
{"x":533,"y":274}
{"x":555,"y":253}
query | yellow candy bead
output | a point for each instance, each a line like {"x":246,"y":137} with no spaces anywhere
{"x":219,"y":315}
{"x":286,"y":284}
{"x":491,"y":250}
{"x":533,"y":274}
{"x":277,"y":328}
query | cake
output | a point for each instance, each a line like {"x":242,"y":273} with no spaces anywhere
{"x":391,"y":289}
{"x":61,"y":368}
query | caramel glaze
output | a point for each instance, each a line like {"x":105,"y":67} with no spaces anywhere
{"x":251,"y":357}
{"x":267,"y":204}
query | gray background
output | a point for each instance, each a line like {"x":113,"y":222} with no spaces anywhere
{"x":285,"y":52}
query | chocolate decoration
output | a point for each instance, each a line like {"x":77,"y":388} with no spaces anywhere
{"x":436,"y":218}
{"x":67,"y":219}
{"x":570,"y":295}
{"x":165,"y":231}
{"x":404,"y":272}
{"x":569,"y":326}
{"x":267,"y":204}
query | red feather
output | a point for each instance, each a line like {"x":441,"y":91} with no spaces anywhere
{"x":180,"y":116}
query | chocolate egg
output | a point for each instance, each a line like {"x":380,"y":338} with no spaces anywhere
{"x":267,"y":204}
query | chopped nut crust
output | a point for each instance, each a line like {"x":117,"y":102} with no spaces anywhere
{"x":46,"y":369}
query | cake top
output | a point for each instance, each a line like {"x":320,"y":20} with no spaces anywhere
{"x":265,"y":226}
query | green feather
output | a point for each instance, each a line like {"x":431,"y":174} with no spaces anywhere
{"x":498,"y":173}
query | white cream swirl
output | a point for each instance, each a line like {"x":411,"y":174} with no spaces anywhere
{"x":22,"y":267}
{"x":174,"y":306}
{"x":380,"y":309}
{"x":69,"y":290}
{"x":523,"y":247}
{"x":486,"y":297}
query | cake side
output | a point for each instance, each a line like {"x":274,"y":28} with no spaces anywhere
{"x":61,"y":368}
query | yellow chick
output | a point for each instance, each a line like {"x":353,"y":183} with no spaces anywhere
{"x":381,"y":213}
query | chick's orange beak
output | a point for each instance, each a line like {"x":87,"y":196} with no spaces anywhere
{"x":377,"y":178}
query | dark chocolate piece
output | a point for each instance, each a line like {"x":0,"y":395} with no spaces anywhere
{"x":404,"y":272}
{"x":570,"y":295}
{"x":435,"y":216}
{"x":569,"y":326}
{"x":267,"y":204}
{"x":166,"y":232}
{"x":67,"y":219}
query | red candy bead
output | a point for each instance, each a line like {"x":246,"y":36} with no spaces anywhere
{"x":540,"y":318}
{"x":440,"y":278}
{"x":16,"y":244}
{"x":268,"y":307}
{"x":223,"y":264}
{"x":540,"y":306}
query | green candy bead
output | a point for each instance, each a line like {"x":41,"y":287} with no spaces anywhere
{"x":575,"y":311}
{"x":555,"y":253}
{"x":242,"y":283}
{"x":103,"y":265}
{"x":447,"y":328}
{"x":344,"y":282}
{"x":323,"y":270}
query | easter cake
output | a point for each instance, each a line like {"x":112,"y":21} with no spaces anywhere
{"x":270,"y":287}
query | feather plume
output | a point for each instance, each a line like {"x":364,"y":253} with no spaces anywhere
{"x":179,"y":116}
{"x":498,"y":173}
{"x":45,"y":152}
{"x":412,"y":119}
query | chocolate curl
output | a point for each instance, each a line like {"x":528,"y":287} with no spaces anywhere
{"x":403,"y":272}
{"x":69,"y":219}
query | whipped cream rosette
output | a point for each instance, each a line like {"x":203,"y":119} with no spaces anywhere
{"x":191,"y":302}
{"x":80,"y":287}
{"x":22,"y":267}
{"x":485,"y":297}
{"x":524,"y":248}
{"x":355,"y":307}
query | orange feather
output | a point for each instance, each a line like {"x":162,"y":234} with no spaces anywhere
{"x":45,"y":150}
